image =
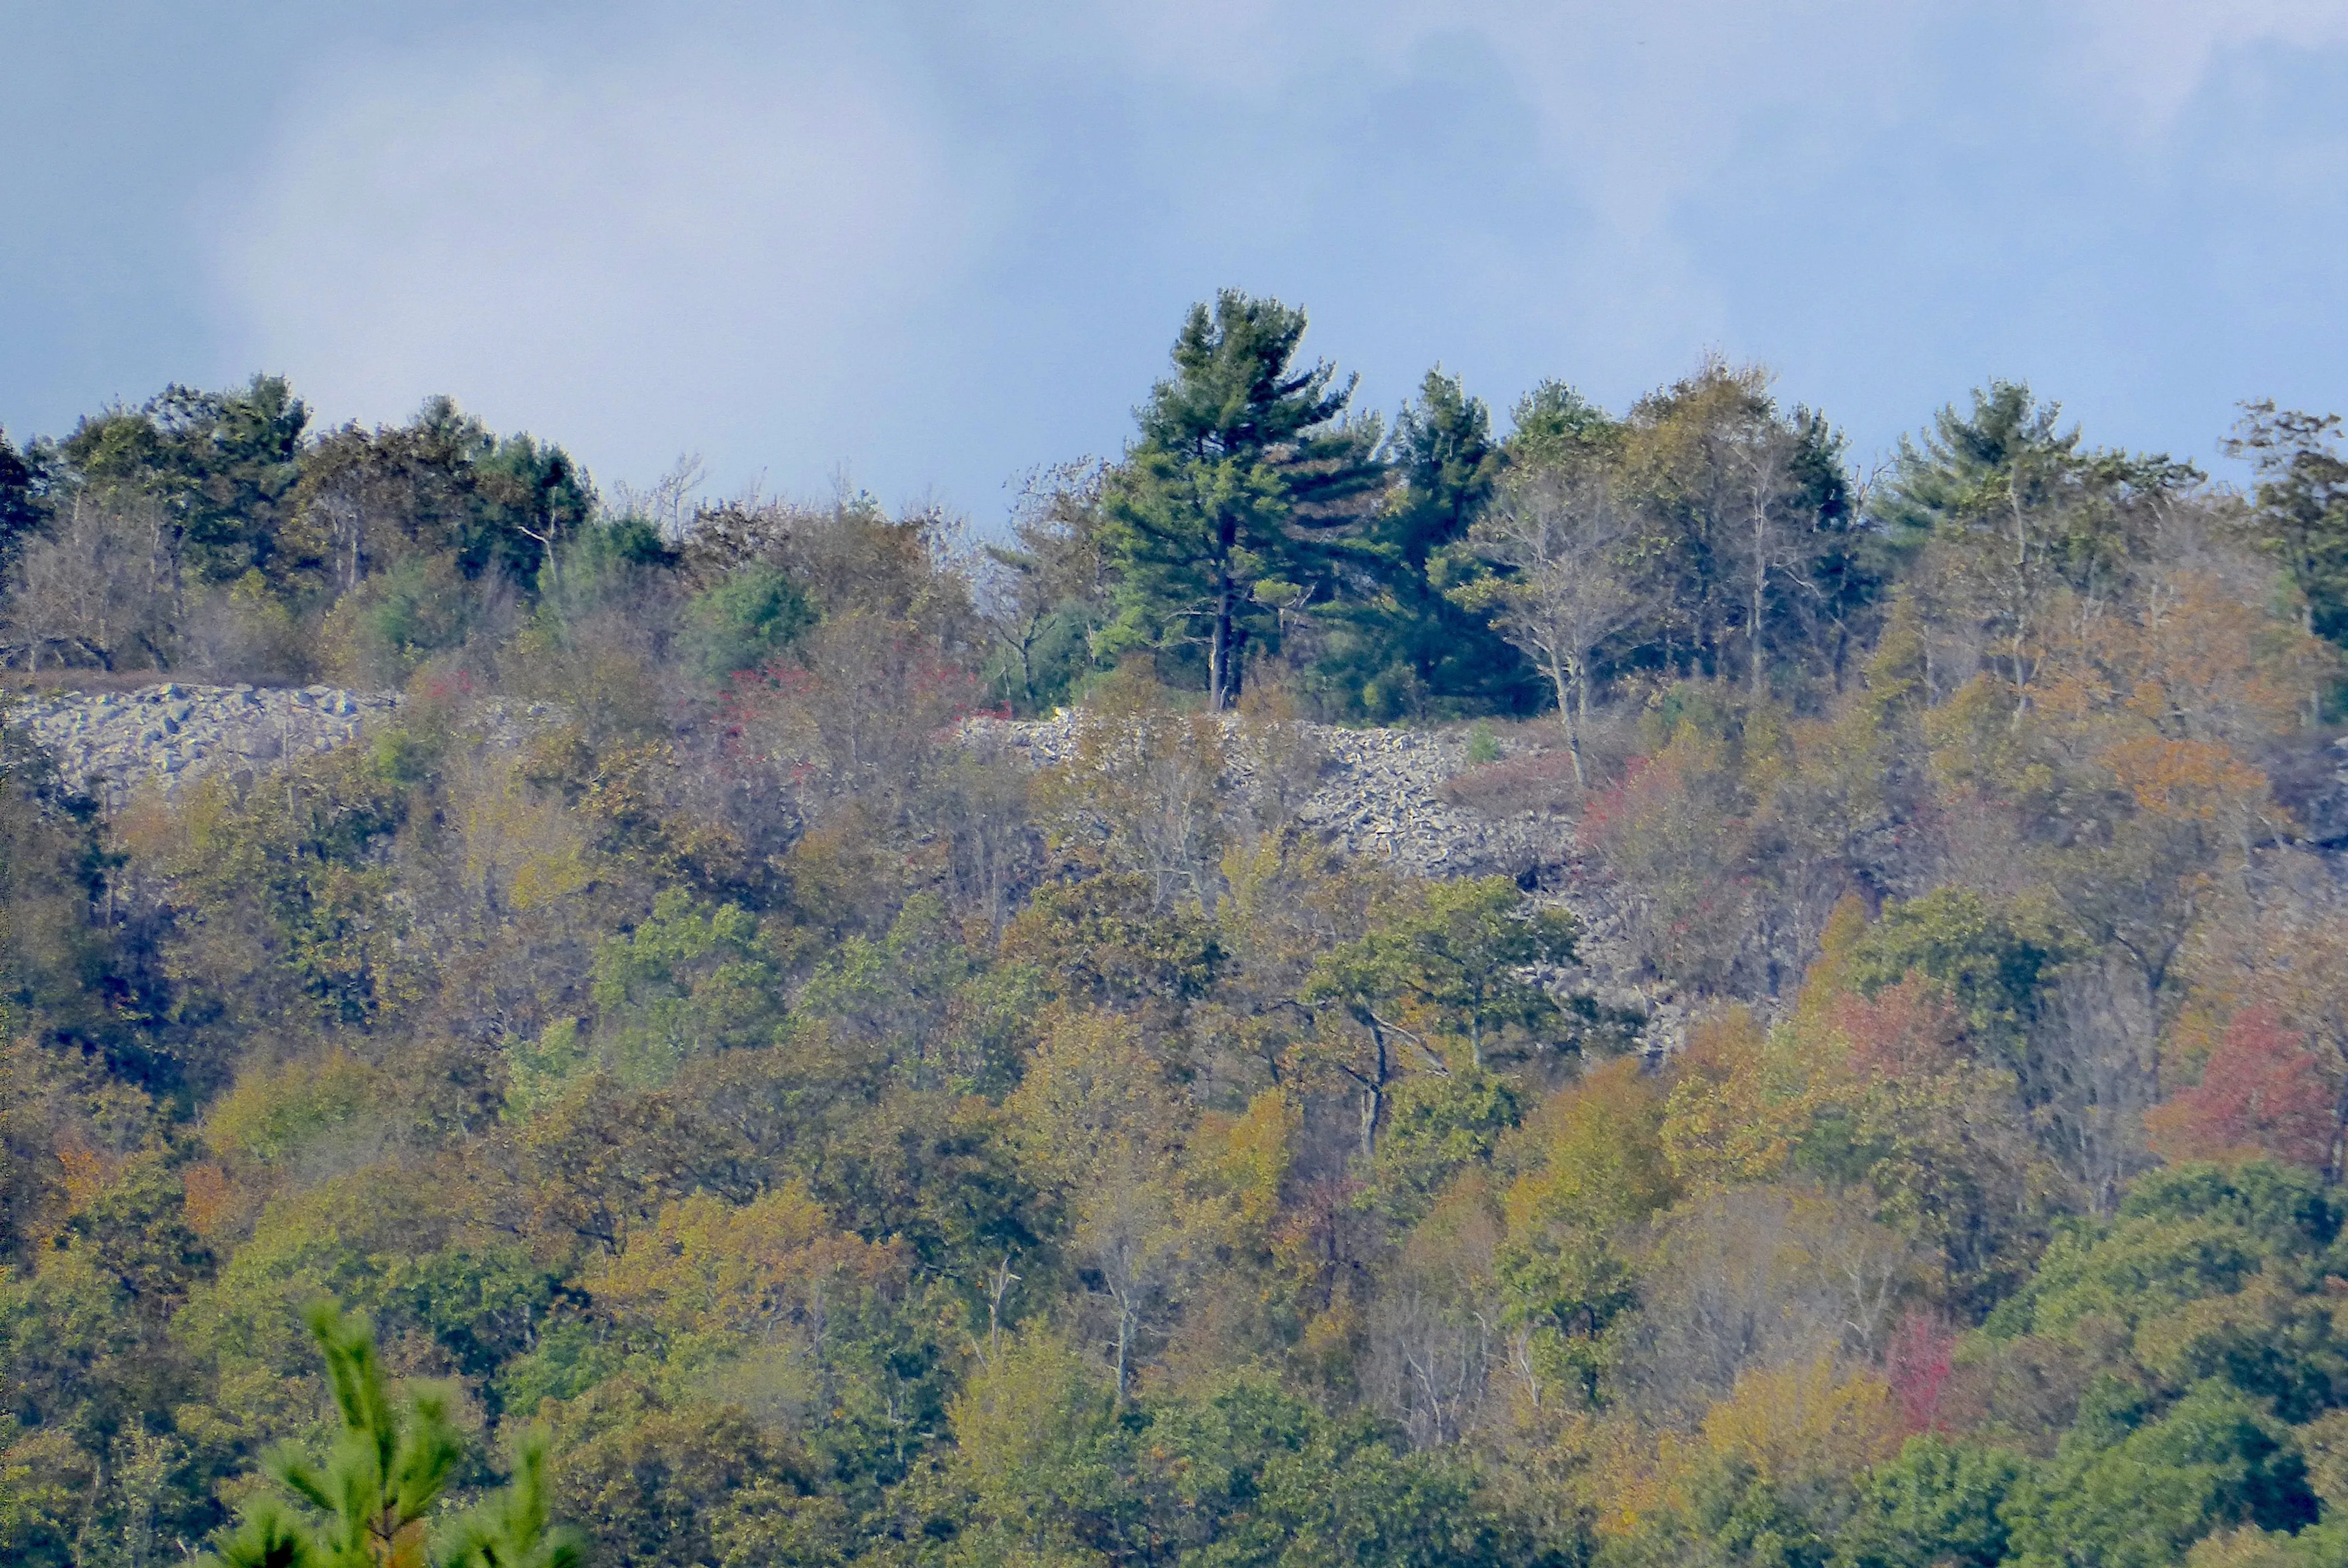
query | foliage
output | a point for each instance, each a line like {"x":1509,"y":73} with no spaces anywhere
{"x":1890,"y":1113}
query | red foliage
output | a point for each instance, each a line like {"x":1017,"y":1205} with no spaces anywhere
{"x":1917,"y":1363}
{"x":2262,"y":1093}
{"x":1644,"y":780}
{"x":1904,"y":1033}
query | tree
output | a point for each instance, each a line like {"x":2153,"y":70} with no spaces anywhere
{"x":1561,"y":589}
{"x":2261,"y":1092}
{"x":1461,"y":953}
{"x":442,"y":484}
{"x":22,"y":487}
{"x":221,"y":464}
{"x":1045,"y":597}
{"x":1399,"y":642}
{"x":2214,"y":1459}
{"x":1938,"y":1502}
{"x":2010,"y":512}
{"x":1036,"y":1453}
{"x":2300,"y":513}
{"x":376,"y":1491}
{"x":1243,"y":459}
{"x":1746,"y":530}
{"x":1098,"y":1122}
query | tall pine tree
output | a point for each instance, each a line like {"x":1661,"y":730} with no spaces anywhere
{"x":1223,"y":513}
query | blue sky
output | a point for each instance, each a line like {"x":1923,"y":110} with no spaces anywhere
{"x":930,"y":246}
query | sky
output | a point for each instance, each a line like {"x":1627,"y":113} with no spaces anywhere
{"x":924,"y":247}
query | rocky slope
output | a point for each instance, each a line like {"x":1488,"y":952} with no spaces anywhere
{"x":1378,"y":792}
{"x":1403,"y":796}
{"x":113,"y":744}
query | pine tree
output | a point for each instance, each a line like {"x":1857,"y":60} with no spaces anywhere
{"x":388,"y":1467}
{"x":1408,"y":641}
{"x":1223,"y":513}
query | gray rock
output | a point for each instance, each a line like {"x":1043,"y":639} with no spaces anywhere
{"x":165,"y":736}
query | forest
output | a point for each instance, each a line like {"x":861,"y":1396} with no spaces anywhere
{"x":680,"y":1093}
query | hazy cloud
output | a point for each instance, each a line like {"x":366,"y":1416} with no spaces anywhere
{"x":626,"y":253}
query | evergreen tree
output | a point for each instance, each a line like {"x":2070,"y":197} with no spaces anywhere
{"x":1223,"y":513}
{"x":376,"y":1491}
{"x":1406,"y":642}
{"x":224,"y":466}
{"x":20,"y":495}
{"x":2301,"y":507}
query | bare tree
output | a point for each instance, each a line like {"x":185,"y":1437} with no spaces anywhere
{"x":1777,"y":540}
{"x":670,"y":504}
{"x":1559,"y":592}
{"x":1760,"y":1277}
{"x":98,"y":588}
{"x":1051,"y":584}
{"x":2096,"y":1057}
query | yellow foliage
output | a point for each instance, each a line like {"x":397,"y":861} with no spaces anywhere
{"x":2247,"y":1547}
{"x":1831,"y":973}
{"x":272,"y":1112}
{"x":1093,"y":1099}
{"x":1737,"y":1105}
{"x":1023,"y":1426}
{"x":1251,"y":1157}
{"x":1601,"y":1154}
{"x":522,"y":850}
{"x":706,"y":1267}
{"x":1787,"y":1422}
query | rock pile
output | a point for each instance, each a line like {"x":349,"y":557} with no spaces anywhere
{"x":112,"y":744}
{"x":1377,"y":793}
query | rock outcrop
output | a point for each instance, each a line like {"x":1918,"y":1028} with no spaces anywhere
{"x":113,"y":744}
{"x":1376,"y":793}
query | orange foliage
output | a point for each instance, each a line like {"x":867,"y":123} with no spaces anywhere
{"x":207,"y":1196}
{"x":86,"y":1171}
{"x":1902,"y":1033}
{"x":2186,"y":780}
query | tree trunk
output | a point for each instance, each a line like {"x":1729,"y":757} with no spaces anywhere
{"x":1564,"y":685}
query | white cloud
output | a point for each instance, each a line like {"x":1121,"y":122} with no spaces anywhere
{"x":582,"y":246}
{"x":1638,"y":105}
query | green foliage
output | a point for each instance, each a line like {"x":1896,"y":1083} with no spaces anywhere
{"x":1410,"y":648}
{"x":1938,"y":1502}
{"x":2301,"y":517}
{"x":2137,"y":1496}
{"x":21,"y":485}
{"x":375,"y":1492}
{"x":1995,"y":975}
{"x":690,"y":979}
{"x":1436,"y":1126}
{"x":798,"y":1132}
{"x":746,"y":621}
{"x":1734,"y":1518}
{"x":1460,"y":954}
{"x":224,"y":466}
{"x":1243,"y":457}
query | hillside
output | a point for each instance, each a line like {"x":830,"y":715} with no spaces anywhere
{"x":1592,"y":997}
